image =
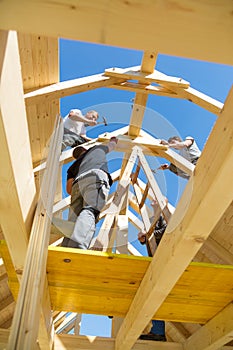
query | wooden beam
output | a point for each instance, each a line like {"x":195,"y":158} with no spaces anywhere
{"x":194,"y":219}
{"x":196,"y":26}
{"x":69,"y":87}
{"x":154,"y":187}
{"x":135,"y":73}
{"x":70,"y":319}
{"x":147,"y":66}
{"x":146,"y":89}
{"x":215,"y":333}
{"x":71,"y":342}
{"x":176,"y":159}
{"x":122,"y":234}
{"x":24,"y":331}
{"x":145,"y":219}
{"x":126,"y":143}
{"x":18,"y":187}
{"x":199,"y":98}
{"x":101,"y":242}
{"x":190,"y":94}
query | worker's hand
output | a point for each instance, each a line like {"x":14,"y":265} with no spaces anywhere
{"x":164,"y":142}
{"x":142,"y":237}
{"x":113,"y":139}
{"x":164,"y":166}
{"x":92,"y":122}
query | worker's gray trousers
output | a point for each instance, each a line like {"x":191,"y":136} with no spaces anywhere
{"x":70,"y":139}
{"x":88,"y":197}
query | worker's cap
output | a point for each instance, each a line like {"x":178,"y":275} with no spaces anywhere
{"x":78,"y":151}
{"x":77,"y":112}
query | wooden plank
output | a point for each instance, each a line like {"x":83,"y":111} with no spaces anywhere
{"x":192,"y":95}
{"x":140,"y":100}
{"x":18,"y":192}
{"x":126,"y":143}
{"x":70,"y":342}
{"x":154,"y":187}
{"x":68,"y":88}
{"x":199,"y":98}
{"x":24,"y":331}
{"x":122,"y":234}
{"x":177,"y":160}
{"x":198,"y":212}
{"x":146,"y":89}
{"x":102,"y":240}
{"x":135,"y":73}
{"x":217,"y":332}
{"x":208,"y":23}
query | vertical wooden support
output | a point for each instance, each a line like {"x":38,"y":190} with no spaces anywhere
{"x":147,"y":66}
{"x":77,"y":324}
{"x":116,"y":324}
{"x":26,"y":318}
{"x":17,"y":195}
{"x":102,"y":239}
{"x":122,"y":234}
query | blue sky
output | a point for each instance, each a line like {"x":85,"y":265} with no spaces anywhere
{"x":163,"y":116}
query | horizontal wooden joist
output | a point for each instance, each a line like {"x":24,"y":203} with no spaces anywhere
{"x":135,"y":73}
{"x":67,"y":88}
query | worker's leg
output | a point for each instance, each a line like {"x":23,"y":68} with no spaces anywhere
{"x":94,"y":189}
{"x":157,"y":332}
{"x":70,"y":139}
{"x":76,"y":206}
{"x":158,"y":327}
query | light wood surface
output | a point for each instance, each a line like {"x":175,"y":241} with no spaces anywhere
{"x":197,"y":29}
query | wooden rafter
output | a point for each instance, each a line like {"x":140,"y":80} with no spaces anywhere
{"x":182,"y":239}
{"x":70,"y":87}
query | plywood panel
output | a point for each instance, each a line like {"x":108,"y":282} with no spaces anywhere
{"x":39,"y":63}
{"x":101,"y":283}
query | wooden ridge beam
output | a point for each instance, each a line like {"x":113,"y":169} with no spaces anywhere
{"x":196,"y":209}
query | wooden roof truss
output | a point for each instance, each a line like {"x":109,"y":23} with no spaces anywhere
{"x":192,"y":296}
